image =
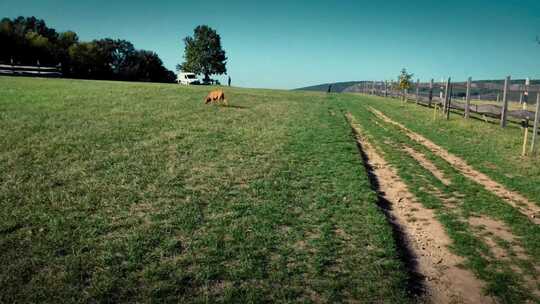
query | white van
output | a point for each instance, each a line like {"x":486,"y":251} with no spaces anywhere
{"x":187,"y":79}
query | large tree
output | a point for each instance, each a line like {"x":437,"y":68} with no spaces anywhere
{"x":27,"y":40}
{"x":203,"y":53}
{"x":84,"y":58}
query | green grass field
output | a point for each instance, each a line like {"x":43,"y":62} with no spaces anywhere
{"x":509,"y":276}
{"x":124,"y":192}
{"x":490,"y":149}
{"x":133,"y":192}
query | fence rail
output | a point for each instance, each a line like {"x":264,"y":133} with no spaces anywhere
{"x":505,"y":101}
{"x":30,"y":70}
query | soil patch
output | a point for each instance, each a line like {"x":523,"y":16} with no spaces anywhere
{"x":518,"y":201}
{"x":425,"y":238}
{"x":427,"y":164}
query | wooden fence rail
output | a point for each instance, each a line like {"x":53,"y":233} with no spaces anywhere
{"x":485,"y":107}
{"x":30,"y":70}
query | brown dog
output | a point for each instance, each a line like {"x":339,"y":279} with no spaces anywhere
{"x":216,"y":96}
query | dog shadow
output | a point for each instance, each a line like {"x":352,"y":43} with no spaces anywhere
{"x":235,"y":107}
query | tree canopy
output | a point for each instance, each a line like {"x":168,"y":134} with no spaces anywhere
{"x":203,"y":53}
{"x":27,"y":40}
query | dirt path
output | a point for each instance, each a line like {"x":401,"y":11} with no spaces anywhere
{"x":488,"y":230}
{"x":427,"y":164}
{"x":483,"y":226}
{"x":518,"y":201}
{"x":425,"y":237}
{"x":512,"y":253}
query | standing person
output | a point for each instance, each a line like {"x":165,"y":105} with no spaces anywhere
{"x":329,"y":89}
{"x":229,"y":80}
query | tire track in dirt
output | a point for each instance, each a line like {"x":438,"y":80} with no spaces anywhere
{"x":425,"y":238}
{"x":427,"y":164}
{"x":487,"y":229}
{"x":518,"y":201}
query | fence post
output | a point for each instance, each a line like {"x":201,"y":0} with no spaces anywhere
{"x":417,"y":90}
{"x":504,"y":112}
{"x":468,"y":99}
{"x":449,"y":105}
{"x":525,"y":136}
{"x":446,"y":91}
{"x":526,"y":94}
{"x":430,"y":97}
{"x":441,"y":92}
{"x":536,"y":123}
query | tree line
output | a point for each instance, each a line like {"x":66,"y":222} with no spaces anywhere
{"x":27,"y":40}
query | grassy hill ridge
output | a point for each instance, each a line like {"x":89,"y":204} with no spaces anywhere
{"x":485,"y":87}
{"x":337,"y":87}
{"x":139,"y":192}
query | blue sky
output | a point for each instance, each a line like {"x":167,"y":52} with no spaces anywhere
{"x":289,"y":44}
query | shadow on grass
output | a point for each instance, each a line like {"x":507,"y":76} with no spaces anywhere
{"x":415,"y":285}
{"x":231,"y":107}
{"x":236,"y":107}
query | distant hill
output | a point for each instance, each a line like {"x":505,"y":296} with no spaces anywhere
{"x":484,"y":89}
{"x":337,"y":87}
